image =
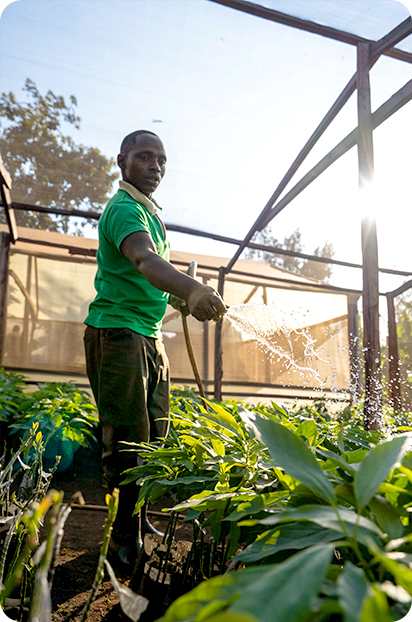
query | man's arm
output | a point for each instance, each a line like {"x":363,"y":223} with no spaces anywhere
{"x":203,"y":302}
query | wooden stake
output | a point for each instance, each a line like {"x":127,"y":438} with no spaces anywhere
{"x":373,"y":384}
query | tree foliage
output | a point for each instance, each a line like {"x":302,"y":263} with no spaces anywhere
{"x":47,"y":167}
{"x":305,"y":267}
{"x":404,"y":334}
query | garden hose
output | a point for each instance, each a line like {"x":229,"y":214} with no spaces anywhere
{"x":192,"y":272}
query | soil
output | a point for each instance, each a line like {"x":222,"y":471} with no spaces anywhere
{"x":83,"y":534}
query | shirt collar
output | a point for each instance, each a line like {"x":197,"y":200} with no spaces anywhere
{"x":150,"y":204}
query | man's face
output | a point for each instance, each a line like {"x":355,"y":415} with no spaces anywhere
{"x":144,"y":164}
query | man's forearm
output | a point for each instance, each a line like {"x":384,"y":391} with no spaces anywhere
{"x":161,"y":274}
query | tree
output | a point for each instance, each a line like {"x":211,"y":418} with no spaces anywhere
{"x":403,"y":310}
{"x":46,"y":166}
{"x":305,"y":267}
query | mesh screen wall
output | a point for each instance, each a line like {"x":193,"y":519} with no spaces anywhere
{"x":49,"y":292}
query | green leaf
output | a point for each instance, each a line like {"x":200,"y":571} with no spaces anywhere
{"x":290,"y":452}
{"x":401,"y":572}
{"x":263,"y":591}
{"x":376,"y":608}
{"x":225,"y":419}
{"x":205,"y":500}
{"x":352,"y":590}
{"x":218,"y":446}
{"x":341,"y":442}
{"x":257,"y":503}
{"x":289,"y":536}
{"x":307,"y":429}
{"x":387,"y":517}
{"x":377,"y":465}
{"x":335,"y":459}
{"x":234,"y":534}
{"x":187,"y":480}
{"x":323,"y":515}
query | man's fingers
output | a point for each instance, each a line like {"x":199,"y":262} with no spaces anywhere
{"x":218,"y":305}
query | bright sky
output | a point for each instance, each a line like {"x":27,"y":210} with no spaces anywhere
{"x":234,"y":98}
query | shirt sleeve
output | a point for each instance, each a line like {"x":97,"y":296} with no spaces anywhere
{"x":125,"y":217}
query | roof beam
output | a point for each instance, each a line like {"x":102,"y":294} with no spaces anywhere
{"x":377,"y":49}
{"x":307,"y":25}
{"x":392,"y":105}
{"x":386,"y":43}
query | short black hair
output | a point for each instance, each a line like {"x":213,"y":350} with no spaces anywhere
{"x":130,"y":140}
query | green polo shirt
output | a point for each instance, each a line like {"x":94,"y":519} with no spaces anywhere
{"x":124,"y":298}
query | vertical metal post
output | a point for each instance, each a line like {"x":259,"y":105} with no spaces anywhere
{"x":354,"y":351}
{"x":394,"y":381}
{"x":205,"y":366}
{"x":218,"y":342}
{"x":27,"y":311}
{"x":5,"y":239}
{"x":373,"y":385}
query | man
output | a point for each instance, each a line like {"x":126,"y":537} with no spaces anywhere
{"x":126,"y":361}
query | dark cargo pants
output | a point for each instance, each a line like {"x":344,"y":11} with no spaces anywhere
{"x":129,"y":377}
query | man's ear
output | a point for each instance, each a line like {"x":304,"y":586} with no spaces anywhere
{"x":120,"y":160}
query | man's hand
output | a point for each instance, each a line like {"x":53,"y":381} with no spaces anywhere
{"x":205,"y":304}
{"x":179,"y":304}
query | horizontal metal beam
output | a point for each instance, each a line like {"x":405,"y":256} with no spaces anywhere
{"x":77,"y":250}
{"x":303,"y":24}
{"x":400,"y":290}
{"x":54,"y":210}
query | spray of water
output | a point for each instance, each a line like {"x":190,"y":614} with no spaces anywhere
{"x":283,"y":335}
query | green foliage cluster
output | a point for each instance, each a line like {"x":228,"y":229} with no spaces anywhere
{"x":64,"y":414}
{"x":35,"y":420}
{"x":404,"y":335}
{"x":26,"y":563}
{"x":314,"y":513}
{"x":47,"y":167}
{"x":23,"y":490}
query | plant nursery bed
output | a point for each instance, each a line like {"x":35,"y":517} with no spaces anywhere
{"x":77,"y":562}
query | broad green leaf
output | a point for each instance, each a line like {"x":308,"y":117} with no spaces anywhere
{"x":187,"y":480}
{"x":323,"y":515}
{"x":406,"y":472}
{"x":376,"y":608}
{"x":344,"y":492}
{"x":290,"y":452}
{"x":234,"y":534}
{"x":262,"y":591}
{"x":335,"y":459}
{"x":391,"y":488}
{"x":307,"y":429}
{"x":300,"y":575}
{"x":387,"y":517}
{"x":257,"y":504}
{"x":341,"y":442}
{"x":357,"y":455}
{"x":207,"y":499}
{"x":377,"y":465}
{"x":215,"y":523}
{"x":218,"y":447}
{"x":225,"y":419}
{"x":289,"y":536}
{"x":352,"y":590}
